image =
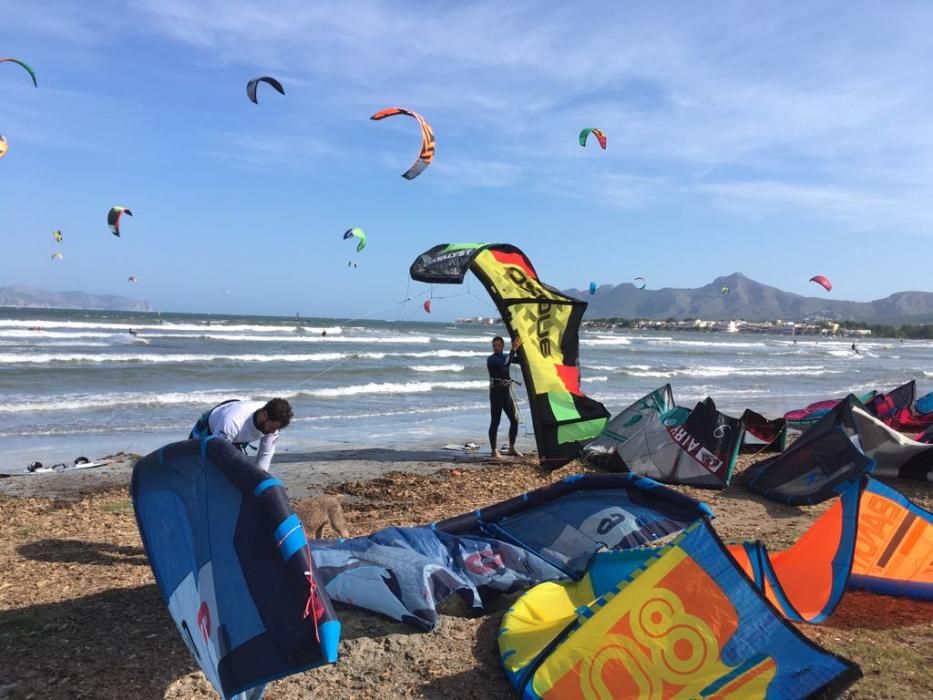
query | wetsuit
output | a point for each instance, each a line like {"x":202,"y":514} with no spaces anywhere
{"x":500,"y":395}
{"x":235,"y":421}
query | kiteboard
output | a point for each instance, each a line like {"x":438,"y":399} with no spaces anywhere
{"x":466,"y":447}
{"x":57,"y":468}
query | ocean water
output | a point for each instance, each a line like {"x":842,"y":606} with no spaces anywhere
{"x":77,"y":383}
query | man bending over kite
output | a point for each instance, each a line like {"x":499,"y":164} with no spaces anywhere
{"x":243,"y":422}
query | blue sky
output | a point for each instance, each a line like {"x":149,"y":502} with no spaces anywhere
{"x":781,"y":140}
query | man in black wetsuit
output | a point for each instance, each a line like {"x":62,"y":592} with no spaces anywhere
{"x":500,"y":394}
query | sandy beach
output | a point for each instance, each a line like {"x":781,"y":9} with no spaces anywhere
{"x":81,"y":616}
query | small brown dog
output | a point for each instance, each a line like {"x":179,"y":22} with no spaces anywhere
{"x":316,"y":513}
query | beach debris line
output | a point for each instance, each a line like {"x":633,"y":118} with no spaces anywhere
{"x":548,"y":321}
{"x":271,"y":616}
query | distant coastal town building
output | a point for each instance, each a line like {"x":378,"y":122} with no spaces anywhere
{"x":777,"y":327}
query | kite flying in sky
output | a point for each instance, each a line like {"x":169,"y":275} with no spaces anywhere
{"x":427,"y":139}
{"x":600,"y":136}
{"x":254,"y":83}
{"x":113,"y":219}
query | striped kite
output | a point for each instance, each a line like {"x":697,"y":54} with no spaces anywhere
{"x":600,"y":136}
{"x":427,"y":139}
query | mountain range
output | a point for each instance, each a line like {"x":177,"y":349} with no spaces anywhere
{"x":750,"y":301}
{"x":33,"y":297}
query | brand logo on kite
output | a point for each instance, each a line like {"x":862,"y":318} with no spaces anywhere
{"x":484,"y":562}
{"x":720,"y":431}
{"x":692,"y":447}
{"x":204,"y":621}
{"x":543,"y":320}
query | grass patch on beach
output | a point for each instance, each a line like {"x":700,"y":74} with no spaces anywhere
{"x":117,"y":507}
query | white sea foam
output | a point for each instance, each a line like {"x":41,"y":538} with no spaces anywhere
{"x":601,"y":378}
{"x":82,"y":402}
{"x":214,"y":326}
{"x":35,"y":358}
{"x":437,"y":368}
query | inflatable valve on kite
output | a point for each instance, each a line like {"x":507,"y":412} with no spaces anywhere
{"x":113,"y":219}
{"x":548,"y":321}
{"x":254,"y":83}
{"x":233,"y":563}
{"x":427,"y":139}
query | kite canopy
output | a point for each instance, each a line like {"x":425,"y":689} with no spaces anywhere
{"x":132,"y":278}
{"x":57,"y":235}
{"x":32,"y":73}
{"x":356,"y":233}
{"x":233,"y":564}
{"x":823,"y":282}
{"x":254,"y":83}
{"x":113,"y":219}
{"x":656,"y":438}
{"x":548,"y":322}
{"x":643,"y":284}
{"x":427,"y":139}
{"x":57,"y":256}
{"x":549,"y":534}
{"x":679,"y":621}
{"x":724,"y":290}
{"x":427,"y":306}
{"x":600,"y":136}
{"x":593,"y":288}
{"x":4,"y":146}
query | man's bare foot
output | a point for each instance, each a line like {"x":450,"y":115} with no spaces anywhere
{"x":496,"y":454}
{"x":514,"y":452}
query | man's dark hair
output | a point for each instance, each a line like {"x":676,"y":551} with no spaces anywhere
{"x":499,"y":338}
{"x":278,"y":410}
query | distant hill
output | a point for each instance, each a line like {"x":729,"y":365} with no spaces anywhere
{"x":32,"y":297}
{"x":751,"y":301}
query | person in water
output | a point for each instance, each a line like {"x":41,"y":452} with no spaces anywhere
{"x":243,"y":422}
{"x":500,"y":394}
{"x":132,"y":332}
{"x":855,"y":349}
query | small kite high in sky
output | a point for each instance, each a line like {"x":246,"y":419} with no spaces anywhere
{"x":593,"y":287}
{"x":132,"y":278}
{"x":254,"y":83}
{"x":4,"y":146}
{"x":598,"y":133}
{"x":644,"y":282}
{"x":427,"y":306}
{"x":32,"y":73}
{"x":427,"y":139}
{"x":724,"y":291}
{"x":57,"y":235}
{"x":113,"y":219}
{"x":356,"y":232}
{"x":823,"y":282}
{"x":57,"y":256}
